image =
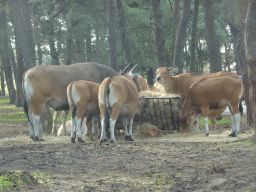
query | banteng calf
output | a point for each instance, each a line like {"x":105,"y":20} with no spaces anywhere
{"x":83,"y":101}
{"x":213,"y":93}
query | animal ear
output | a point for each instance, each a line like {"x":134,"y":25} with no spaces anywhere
{"x":174,"y":71}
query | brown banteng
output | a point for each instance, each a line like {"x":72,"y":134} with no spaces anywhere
{"x":180,"y":84}
{"x":142,"y":83}
{"x":118,"y":95}
{"x":48,"y":84}
{"x":83,"y":101}
{"x":64,"y":115}
{"x":213,"y":93}
{"x":213,"y":115}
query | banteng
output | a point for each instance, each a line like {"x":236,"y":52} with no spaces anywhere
{"x":64,"y":115}
{"x":47,"y":84}
{"x":118,"y":95}
{"x":83,"y":101}
{"x":213,"y":93}
{"x":180,"y":84}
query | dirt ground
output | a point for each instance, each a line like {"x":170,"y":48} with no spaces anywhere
{"x":173,"y":162}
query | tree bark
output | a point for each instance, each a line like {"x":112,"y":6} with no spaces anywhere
{"x":211,"y":37}
{"x":181,"y":37}
{"x":37,"y":36}
{"x":193,"y":38}
{"x":111,"y":19}
{"x":250,"y":52}
{"x":6,"y":57}
{"x":23,"y":30}
{"x":175,"y":19}
{"x":2,"y":82}
{"x":159,"y":33}
{"x":81,"y":50}
{"x":123,"y":33}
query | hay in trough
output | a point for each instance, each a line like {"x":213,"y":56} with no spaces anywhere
{"x":161,"y":109}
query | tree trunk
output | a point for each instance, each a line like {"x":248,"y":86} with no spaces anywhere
{"x":6,"y":57}
{"x":150,"y":77}
{"x":159,"y":33}
{"x":2,"y":81}
{"x":250,"y":50}
{"x":23,"y":30}
{"x":88,"y":40}
{"x":211,"y":37}
{"x":123,"y":33}
{"x":175,"y":19}
{"x":37,"y":35}
{"x":181,"y":37}
{"x":81,"y":50}
{"x":111,"y":18}
{"x":46,"y":120}
{"x":193,"y":38}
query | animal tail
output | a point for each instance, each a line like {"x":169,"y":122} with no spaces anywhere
{"x":71,"y":100}
{"x":241,"y":109}
{"x":25,"y":105}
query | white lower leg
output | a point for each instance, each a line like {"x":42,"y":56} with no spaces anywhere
{"x":63,"y":120}
{"x":73,"y":128}
{"x":55,"y":115}
{"x":31,"y":128}
{"x":78,"y":128}
{"x":112,"y":124}
{"x":103,"y":131}
{"x":237,"y":123}
{"x":36,"y":123}
{"x":197,"y":120}
{"x":206,"y":125}
{"x":130,"y":129}
{"x":125,"y":123}
{"x":94,"y":124}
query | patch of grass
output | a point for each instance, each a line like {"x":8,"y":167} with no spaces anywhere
{"x":43,"y":178}
{"x":249,"y":143}
{"x":221,"y":122}
{"x":8,"y":180}
{"x":17,"y":116}
{"x":4,"y":101}
{"x":68,"y":118}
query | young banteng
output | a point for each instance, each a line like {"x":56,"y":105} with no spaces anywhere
{"x":83,"y":101}
{"x":213,"y":93}
{"x":118,"y":95}
{"x":48,"y":84}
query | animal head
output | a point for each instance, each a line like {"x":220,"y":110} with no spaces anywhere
{"x":164,"y":73}
{"x":185,"y":121}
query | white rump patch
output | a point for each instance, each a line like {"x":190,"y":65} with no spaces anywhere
{"x":75,"y":94}
{"x":113,"y":96}
{"x":28,"y":88}
{"x":101,"y":95}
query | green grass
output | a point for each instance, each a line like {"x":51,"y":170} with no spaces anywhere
{"x":221,"y":122}
{"x":68,"y":118}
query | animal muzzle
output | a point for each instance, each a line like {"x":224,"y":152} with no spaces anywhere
{"x":158,"y":78}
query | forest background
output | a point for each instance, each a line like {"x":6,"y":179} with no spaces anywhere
{"x":194,"y":35}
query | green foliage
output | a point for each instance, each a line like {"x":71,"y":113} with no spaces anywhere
{"x":221,"y":122}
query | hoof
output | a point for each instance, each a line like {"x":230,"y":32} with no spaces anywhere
{"x":127,"y":138}
{"x":232,"y":134}
{"x":101,"y":141}
{"x":38,"y":139}
{"x":207,"y":134}
{"x":80,"y":140}
{"x":112,"y":141}
{"x":53,"y":134}
{"x":73,"y":140}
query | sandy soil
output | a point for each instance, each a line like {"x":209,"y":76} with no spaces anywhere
{"x":173,"y":162}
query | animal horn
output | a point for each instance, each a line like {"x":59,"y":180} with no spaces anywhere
{"x":125,"y":69}
{"x":170,"y":68}
{"x":132,"y":69}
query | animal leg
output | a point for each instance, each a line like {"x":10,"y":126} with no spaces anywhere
{"x":213,"y":123}
{"x":125,"y":123}
{"x":31,"y":128}
{"x":36,"y":122}
{"x":78,"y":129}
{"x":197,"y":120}
{"x":94,"y":121}
{"x":55,"y":115}
{"x":130,"y":130}
{"x":205,"y":114}
{"x":112,"y":130}
{"x":236,"y":125}
{"x":103,"y":131}
{"x":63,"y":120}
{"x":73,"y":129}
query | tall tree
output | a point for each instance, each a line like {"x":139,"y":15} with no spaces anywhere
{"x":6,"y":57}
{"x":250,"y":47}
{"x":175,"y":22}
{"x":159,"y":33}
{"x":111,"y":22}
{"x":193,"y":37}
{"x":123,"y":32}
{"x":211,"y":37}
{"x":23,"y":30}
{"x":181,"y":37}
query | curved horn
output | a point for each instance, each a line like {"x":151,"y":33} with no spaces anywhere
{"x":170,"y":68}
{"x":125,"y":69}
{"x":132,"y":69}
